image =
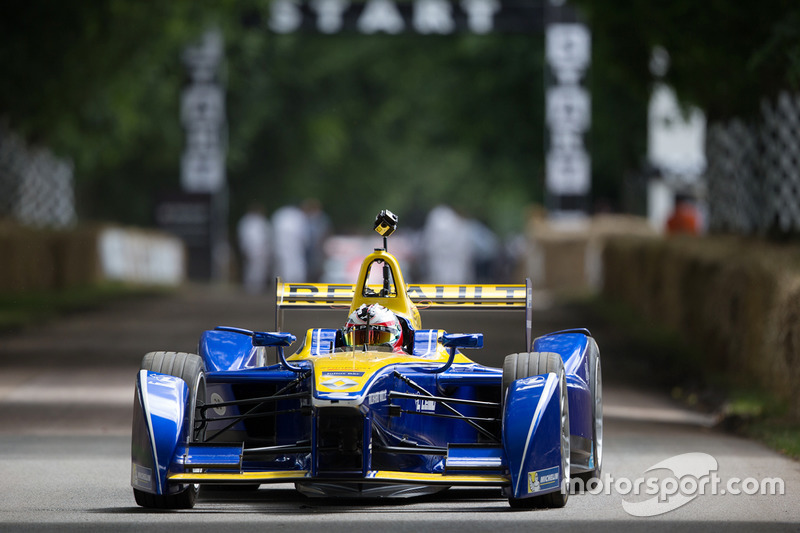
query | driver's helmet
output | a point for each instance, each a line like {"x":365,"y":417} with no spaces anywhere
{"x":373,"y":325}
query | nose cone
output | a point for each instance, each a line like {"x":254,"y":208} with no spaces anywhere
{"x":338,"y":379}
{"x":346,"y":380}
{"x":340,"y":383}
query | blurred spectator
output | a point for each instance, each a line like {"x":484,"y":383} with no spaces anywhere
{"x":254,"y":238}
{"x":319,"y":227}
{"x":485,"y":246}
{"x":290,"y":241}
{"x":448,"y":247}
{"x":685,"y":219}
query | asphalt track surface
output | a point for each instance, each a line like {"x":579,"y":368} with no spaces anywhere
{"x":66,"y":390}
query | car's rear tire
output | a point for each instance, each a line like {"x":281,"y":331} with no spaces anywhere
{"x":189,"y":367}
{"x":522,"y":365}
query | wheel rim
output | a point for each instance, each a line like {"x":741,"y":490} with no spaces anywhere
{"x":598,"y":416}
{"x":198,"y":433}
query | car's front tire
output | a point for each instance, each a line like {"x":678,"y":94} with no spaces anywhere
{"x":189,"y":367}
{"x":522,"y":365}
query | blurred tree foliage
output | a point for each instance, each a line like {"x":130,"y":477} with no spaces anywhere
{"x":726,"y":55}
{"x":97,"y":82}
{"x":360,"y":122}
{"x":402,"y":122}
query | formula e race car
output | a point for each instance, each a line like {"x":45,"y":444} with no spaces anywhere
{"x":379,"y":408}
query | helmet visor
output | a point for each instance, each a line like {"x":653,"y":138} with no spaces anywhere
{"x":371,"y":335}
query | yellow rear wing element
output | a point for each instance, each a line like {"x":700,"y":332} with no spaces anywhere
{"x":340,"y":296}
{"x":337,"y":296}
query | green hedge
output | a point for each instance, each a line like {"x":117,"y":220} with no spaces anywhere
{"x":738,"y":300}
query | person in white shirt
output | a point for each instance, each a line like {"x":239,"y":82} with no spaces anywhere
{"x":254,"y":243}
{"x":289,"y":243}
{"x":448,"y":247}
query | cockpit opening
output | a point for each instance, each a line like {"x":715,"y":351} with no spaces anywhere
{"x":379,"y":281}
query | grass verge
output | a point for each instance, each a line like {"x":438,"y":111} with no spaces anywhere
{"x":777,"y":434}
{"x":21,"y":310}
{"x":759,"y":415}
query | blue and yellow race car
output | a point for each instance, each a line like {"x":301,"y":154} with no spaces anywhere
{"x":379,"y":408}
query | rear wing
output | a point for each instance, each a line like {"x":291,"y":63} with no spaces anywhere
{"x":465,"y":297}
